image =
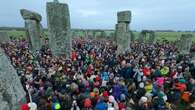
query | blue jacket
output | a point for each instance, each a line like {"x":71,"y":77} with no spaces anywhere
{"x":101,"y":106}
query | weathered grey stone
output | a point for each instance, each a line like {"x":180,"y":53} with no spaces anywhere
{"x":123,"y":42}
{"x":74,"y":34}
{"x":86,"y":34}
{"x":41,"y":30}
{"x":33,"y":31}
{"x":122,"y":27}
{"x":4,"y":37}
{"x":151,"y":37}
{"x":111,"y":35}
{"x":103,"y":34}
{"x":3,"y":105}
{"x":99,"y":34}
{"x":11,"y":90}
{"x":58,"y":18}
{"x":141,"y":38}
{"x":144,"y":38}
{"x":122,"y":32}
{"x":185,"y":43}
{"x":177,"y":43}
{"x":26,"y":14}
{"x":42,"y":35}
{"x":90,"y":34}
{"x":132,"y":36}
{"x":94,"y":34}
{"x":124,"y":16}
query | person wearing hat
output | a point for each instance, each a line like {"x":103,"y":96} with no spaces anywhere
{"x":142,"y":104}
{"x":179,"y":73}
{"x":164,"y":71}
{"x":122,"y":104}
{"x":181,"y":86}
{"x":32,"y":106}
{"x":112,"y":103}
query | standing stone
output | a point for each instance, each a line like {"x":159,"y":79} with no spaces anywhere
{"x":86,"y":34}
{"x":58,"y":18}
{"x":132,"y":36}
{"x":11,"y":90}
{"x":147,"y":36}
{"x":185,"y":43}
{"x":33,"y":28}
{"x":98,"y":34}
{"x":122,"y":32}
{"x":94,"y":34}
{"x":111,"y":36}
{"x":144,"y":36}
{"x":141,"y":38}
{"x":90,"y":34}
{"x":74,"y":35}
{"x":151,"y":37}
{"x":4,"y":37}
{"x":177,"y":43}
{"x":83,"y":33}
{"x":103,"y":35}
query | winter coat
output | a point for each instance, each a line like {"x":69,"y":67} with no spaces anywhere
{"x":101,"y":106}
{"x":116,"y":91}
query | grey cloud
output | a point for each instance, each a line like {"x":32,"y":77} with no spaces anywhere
{"x":147,"y":14}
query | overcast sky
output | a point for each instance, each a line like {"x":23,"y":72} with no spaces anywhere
{"x":101,"y":14}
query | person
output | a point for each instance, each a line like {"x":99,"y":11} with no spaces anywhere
{"x":151,"y":76}
{"x":75,"y":106}
{"x":101,"y":105}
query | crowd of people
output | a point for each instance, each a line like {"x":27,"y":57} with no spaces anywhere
{"x":95,"y":77}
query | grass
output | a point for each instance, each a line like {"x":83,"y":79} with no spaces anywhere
{"x":171,"y":36}
{"x":17,"y":34}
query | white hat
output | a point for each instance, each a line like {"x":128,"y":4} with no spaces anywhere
{"x":60,"y":68}
{"x":144,"y":78}
{"x":144,"y":99}
{"x":32,"y":106}
{"x":141,"y":85}
{"x":165,"y":98}
{"x":179,"y":67}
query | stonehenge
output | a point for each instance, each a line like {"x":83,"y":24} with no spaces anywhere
{"x":143,"y":37}
{"x":122,"y":32}
{"x":60,"y":35}
{"x":12,"y":93}
{"x":4,"y":37}
{"x":185,"y":43}
{"x":33,"y":28}
{"x":58,"y":19}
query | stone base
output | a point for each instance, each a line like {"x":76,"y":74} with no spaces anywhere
{"x":4,"y":37}
{"x":11,"y":90}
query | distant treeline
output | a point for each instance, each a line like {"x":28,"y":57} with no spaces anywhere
{"x":14,"y":28}
{"x":45,"y":29}
{"x":171,"y":31}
